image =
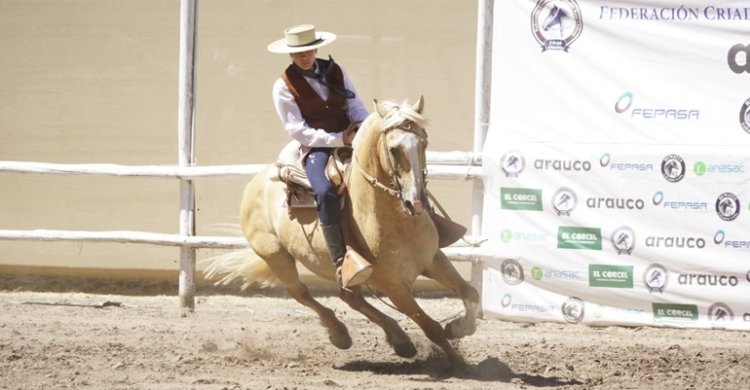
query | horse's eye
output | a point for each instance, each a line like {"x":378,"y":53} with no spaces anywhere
{"x":392,"y":150}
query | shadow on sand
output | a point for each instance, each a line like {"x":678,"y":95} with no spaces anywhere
{"x":490,"y":369}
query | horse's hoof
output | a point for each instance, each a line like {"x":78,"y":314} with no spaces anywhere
{"x":455,"y":330}
{"x":405,"y":350}
{"x":339,"y":337}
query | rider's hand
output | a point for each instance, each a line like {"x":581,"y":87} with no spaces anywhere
{"x":348,"y":136}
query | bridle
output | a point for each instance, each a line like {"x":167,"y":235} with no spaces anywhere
{"x":392,"y":173}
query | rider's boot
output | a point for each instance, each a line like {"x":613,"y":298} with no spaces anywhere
{"x":351,"y":268}
{"x":335,"y":242}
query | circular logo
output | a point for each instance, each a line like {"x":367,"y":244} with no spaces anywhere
{"x":624,"y":102}
{"x":673,"y":168}
{"x":655,"y":278}
{"x":720,"y":313}
{"x":727,"y":206}
{"x":572,"y":310}
{"x":745,"y":116}
{"x":605,"y":159}
{"x":623,"y":239}
{"x":512,"y":272}
{"x":513,"y":164}
{"x":564,"y":201}
{"x":699,"y":168}
{"x":556,"y":24}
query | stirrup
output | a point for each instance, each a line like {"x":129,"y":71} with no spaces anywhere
{"x":354,"y":271}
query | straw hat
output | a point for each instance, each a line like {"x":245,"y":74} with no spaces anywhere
{"x":301,"y":38}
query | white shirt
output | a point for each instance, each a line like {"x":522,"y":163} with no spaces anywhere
{"x":294,"y":123}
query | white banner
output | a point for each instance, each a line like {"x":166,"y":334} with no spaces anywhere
{"x":618,"y":163}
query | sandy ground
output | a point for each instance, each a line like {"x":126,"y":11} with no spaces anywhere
{"x":90,"y":341}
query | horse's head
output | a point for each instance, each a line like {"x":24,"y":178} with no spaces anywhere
{"x":401,"y":152}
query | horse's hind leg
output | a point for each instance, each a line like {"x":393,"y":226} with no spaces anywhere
{"x":405,"y":302}
{"x":395,"y":336}
{"x":284,"y":267}
{"x":444,"y":273}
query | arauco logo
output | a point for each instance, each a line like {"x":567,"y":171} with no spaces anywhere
{"x":738,"y":58}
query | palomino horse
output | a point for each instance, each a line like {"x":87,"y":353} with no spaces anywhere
{"x":387,"y":224}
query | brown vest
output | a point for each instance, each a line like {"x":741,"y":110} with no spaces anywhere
{"x":328,"y":115}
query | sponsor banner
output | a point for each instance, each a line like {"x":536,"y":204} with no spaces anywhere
{"x":617,"y":177}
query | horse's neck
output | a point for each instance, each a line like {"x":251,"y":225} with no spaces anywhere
{"x":369,"y":199}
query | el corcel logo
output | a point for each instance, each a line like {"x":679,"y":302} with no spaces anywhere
{"x":738,"y":58}
{"x":573,"y":237}
{"x":674,"y":312}
{"x":521,"y":199}
{"x":624,"y":104}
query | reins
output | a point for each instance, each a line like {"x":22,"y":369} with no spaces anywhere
{"x":396,"y":193}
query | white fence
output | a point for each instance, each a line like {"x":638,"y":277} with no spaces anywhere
{"x":442,"y":166}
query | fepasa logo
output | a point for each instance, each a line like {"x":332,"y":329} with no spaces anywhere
{"x":607,"y":161}
{"x":573,"y":237}
{"x":661,"y":200}
{"x":720,"y":238}
{"x":520,"y":199}
{"x":624,"y":105}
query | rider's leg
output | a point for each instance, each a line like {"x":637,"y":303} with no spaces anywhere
{"x":327,"y":202}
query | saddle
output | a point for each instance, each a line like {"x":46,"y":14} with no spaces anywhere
{"x":289,"y":170}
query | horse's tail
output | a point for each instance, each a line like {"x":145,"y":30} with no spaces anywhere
{"x":242,"y":267}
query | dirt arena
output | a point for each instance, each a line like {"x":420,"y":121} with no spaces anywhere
{"x":90,"y":341}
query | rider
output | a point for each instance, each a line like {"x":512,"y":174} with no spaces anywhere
{"x":319,"y":107}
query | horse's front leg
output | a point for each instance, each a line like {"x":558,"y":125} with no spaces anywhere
{"x":404,"y":301}
{"x":443,"y":272}
{"x":395,"y":336}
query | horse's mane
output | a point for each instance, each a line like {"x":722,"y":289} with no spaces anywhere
{"x":394,"y":115}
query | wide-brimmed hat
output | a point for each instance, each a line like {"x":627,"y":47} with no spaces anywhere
{"x":301,"y":38}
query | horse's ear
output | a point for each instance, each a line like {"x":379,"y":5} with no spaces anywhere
{"x":378,"y":108}
{"x":419,"y":105}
